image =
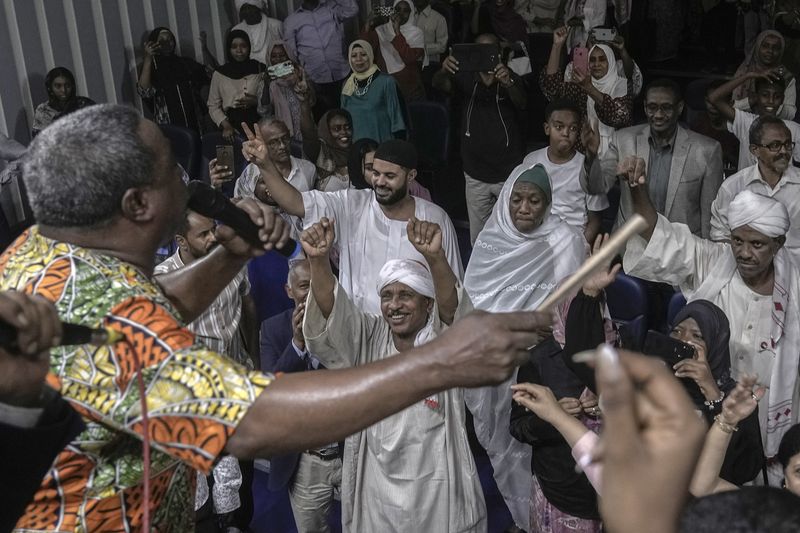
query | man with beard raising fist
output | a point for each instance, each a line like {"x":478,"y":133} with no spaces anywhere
{"x":370,"y":225}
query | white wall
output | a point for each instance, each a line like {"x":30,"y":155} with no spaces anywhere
{"x":98,"y":40}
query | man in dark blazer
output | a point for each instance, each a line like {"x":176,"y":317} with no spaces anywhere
{"x":283,"y":349}
{"x":684,"y":168}
{"x":35,"y":422}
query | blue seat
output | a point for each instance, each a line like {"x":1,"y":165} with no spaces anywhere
{"x":185,"y":147}
{"x":210,"y":141}
{"x":628,"y":303}
{"x":676,"y":303}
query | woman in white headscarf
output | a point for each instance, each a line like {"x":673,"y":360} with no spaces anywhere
{"x":519,"y":257}
{"x":602,"y":92}
{"x":400,"y":49}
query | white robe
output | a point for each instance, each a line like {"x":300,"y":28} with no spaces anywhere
{"x":412,"y":471}
{"x":366,"y":238}
{"x":707,"y":270}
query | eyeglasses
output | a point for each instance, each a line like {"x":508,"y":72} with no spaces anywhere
{"x":280,"y":141}
{"x":652,"y":109}
{"x":776,"y":146}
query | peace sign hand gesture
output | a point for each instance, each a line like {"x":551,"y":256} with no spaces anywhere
{"x":254,"y":148}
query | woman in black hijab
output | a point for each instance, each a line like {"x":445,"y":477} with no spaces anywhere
{"x":170,"y":84}
{"x":236,"y":87}
{"x":707,"y":378}
{"x":61,"y":99}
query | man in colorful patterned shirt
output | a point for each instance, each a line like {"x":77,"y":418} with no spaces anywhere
{"x":106,"y":192}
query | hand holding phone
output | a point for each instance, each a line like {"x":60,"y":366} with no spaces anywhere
{"x":580,"y":59}
{"x":224,"y":159}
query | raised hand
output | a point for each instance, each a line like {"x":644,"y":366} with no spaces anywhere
{"x":484,"y":348}
{"x":572,"y":406}
{"x":602,"y":277}
{"x":742,"y":400}
{"x":560,"y":36}
{"x":318,"y":239}
{"x":700,"y":373}
{"x":590,"y":137}
{"x":273,"y":230}
{"x":254,"y":148}
{"x":297,"y":325}
{"x":38,"y":328}
{"x":538,"y":399}
{"x":151,"y":48}
{"x":219,"y":174}
{"x":450,"y":63}
{"x":426,"y":237}
{"x":650,"y":428}
{"x":634,"y":170}
{"x":582,"y":79}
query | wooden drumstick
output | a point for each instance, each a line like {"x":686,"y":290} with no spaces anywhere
{"x":635,"y":225}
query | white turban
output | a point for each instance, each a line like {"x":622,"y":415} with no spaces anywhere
{"x":408,"y":272}
{"x":260,"y":4}
{"x":763,"y":214}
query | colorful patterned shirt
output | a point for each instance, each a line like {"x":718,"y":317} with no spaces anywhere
{"x":195,"y":397}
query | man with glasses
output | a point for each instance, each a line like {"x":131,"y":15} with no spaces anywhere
{"x":774,"y":176}
{"x":684,"y":167}
{"x":299,"y":173}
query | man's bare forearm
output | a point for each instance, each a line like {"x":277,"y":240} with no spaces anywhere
{"x":309,"y":409}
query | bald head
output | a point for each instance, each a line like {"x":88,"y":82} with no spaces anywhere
{"x":277,"y":138}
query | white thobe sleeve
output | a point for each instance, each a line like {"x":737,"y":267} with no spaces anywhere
{"x":318,"y":204}
{"x":673,"y":255}
{"x":346,"y":338}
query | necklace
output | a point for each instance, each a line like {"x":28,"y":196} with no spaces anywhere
{"x":361,"y":91}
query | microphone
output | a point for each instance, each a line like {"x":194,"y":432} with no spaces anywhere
{"x":209,"y":202}
{"x":71,"y":334}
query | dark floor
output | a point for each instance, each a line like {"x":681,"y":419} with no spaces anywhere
{"x":274,"y":515}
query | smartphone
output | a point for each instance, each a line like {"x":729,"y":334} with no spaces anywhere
{"x":604,"y":35}
{"x":580,"y":59}
{"x":281,"y":70}
{"x":382,"y":14}
{"x":225,"y":157}
{"x":665,"y":347}
{"x":672,"y":351}
{"x":476,"y":57}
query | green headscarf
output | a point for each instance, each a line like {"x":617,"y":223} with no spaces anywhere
{"x":537,"y":175}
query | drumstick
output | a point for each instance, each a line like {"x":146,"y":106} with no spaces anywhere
{"x":633,"y":226}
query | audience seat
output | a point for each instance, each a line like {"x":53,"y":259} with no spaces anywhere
{"x":676,"y":303}
{"x":429,"y":131}
{"x":628,"y":304}
{"x":186,"y":148}
{"x":210,"y":141}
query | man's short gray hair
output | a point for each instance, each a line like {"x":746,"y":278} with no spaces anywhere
{"x":78,"y":168}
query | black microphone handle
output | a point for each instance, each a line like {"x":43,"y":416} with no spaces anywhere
{"x":71,"y":334}
{"x":211,"y":203}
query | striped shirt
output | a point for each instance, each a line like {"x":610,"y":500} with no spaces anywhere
{"x":218,"y":326}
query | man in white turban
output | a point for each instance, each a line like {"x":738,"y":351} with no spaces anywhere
{"x":262,"y":30}
{"x":752,"y":278}
{"x":412,"y":471}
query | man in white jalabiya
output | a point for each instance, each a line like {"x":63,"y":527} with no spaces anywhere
{"x":370,"y":224}
{"x":518,"y":259}
{"x":412,"y":471}
{"x":262,"y":30}
{"x":752,"y":278}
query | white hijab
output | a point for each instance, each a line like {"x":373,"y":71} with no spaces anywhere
{"x":514,"y":271}
{"x":611,"y":84}
{"x":412,"y":34}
